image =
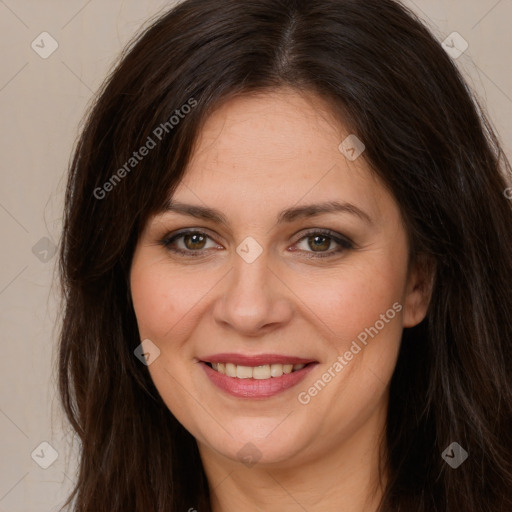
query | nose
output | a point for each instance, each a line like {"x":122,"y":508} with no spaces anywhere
{"x":254,"y":300}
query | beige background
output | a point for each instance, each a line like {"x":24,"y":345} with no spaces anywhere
{"x":42,"y":102}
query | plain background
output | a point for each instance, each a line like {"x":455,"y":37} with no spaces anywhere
{"x":42,"y":102}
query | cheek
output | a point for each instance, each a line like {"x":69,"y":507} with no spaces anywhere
{"x":163,"y":299}
{"x":362,"y":309}
{"x":153,"y":301}
{"x":355,"y":296}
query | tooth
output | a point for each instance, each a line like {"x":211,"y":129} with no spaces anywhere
{"x":261,"y":372}
{"x":287,"y":368}
{"x":230,"y":370}
{"x":276,"y":370}
{"x":244,"y":372}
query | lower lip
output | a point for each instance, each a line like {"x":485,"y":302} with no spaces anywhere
{"x":256,"y":388}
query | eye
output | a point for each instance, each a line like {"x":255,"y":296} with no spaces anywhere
{"x":315,"y":243}
{"x":190,"y":243}
{"x":323,"y":243}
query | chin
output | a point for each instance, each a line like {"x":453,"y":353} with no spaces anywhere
{"x":270,"y":444}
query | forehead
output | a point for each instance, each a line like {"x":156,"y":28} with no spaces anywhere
{"x":275,"y":148}
{"x":275,"y":127}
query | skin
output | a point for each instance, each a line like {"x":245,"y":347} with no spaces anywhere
{"x":256,"y":156}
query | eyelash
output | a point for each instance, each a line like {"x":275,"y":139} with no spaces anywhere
{"x":344,"y":243}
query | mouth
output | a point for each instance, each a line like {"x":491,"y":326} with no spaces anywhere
{"x":255,"y":376}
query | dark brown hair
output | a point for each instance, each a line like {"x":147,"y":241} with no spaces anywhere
{"x":393,"y":85}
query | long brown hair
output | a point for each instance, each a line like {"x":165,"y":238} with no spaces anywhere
{"x":394,"y":86}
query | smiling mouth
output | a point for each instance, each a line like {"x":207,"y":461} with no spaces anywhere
{"x":259,"y":376}
{"x":266,"y":371}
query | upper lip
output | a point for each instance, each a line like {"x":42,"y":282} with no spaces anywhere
{"x":256,"y":360}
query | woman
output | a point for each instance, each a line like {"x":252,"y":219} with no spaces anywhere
{"x":286,"y":270}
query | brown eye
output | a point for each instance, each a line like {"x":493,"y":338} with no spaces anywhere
{"x":194,"y":241}
{"x":319,"y":243}
{"x":190,"y":243}
{"x":323,"y":244}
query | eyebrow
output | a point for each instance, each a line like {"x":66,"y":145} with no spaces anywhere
{"x":287,"y":215}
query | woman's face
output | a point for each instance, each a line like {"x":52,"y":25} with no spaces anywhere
{"x":296,"y":255}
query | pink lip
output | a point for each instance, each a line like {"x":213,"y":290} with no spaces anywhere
{"x":256,"y":388}
{"x":258,"y":360}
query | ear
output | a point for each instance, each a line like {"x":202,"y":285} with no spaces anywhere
{"x":418,"y":291}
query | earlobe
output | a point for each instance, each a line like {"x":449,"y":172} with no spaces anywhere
{"x":418,"y":291}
